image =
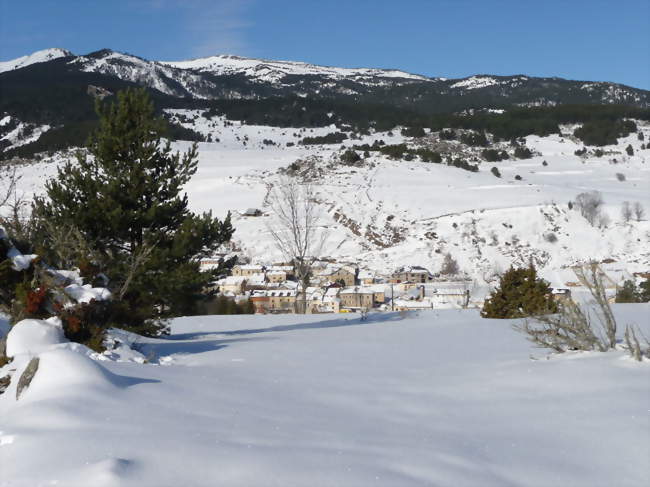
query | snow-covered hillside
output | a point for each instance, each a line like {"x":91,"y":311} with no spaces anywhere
{"x":384,"y":213}
{"x":236,"y":77}
{"x":35,"y":57}
{"x":273,"y":71}
{"x":444,"y":398}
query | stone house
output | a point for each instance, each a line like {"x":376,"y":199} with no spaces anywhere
{"x":252,"y":212}
{"x":411,"y":274}
{"x":276,"y":276}
{"x":282,"y":300}
{"x":247,"y":269}
{"x":232,"y":284}
{"x":357,"y":297}
{"x":343,"y":274}
{"x":367,"y":277}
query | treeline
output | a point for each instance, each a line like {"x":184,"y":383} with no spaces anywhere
{"x":405,"y":153}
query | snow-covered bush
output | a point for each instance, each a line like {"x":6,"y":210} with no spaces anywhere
{"x":31,"y":290}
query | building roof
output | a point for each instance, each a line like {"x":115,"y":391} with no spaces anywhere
{"x":276,"y":273}
{"x":281,"y":293}
{"x":250,"y":267}
{"x":414,"y":269}
{"x":357,"y":290}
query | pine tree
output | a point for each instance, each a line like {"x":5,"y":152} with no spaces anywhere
{"x":520,"y":293}
{"x":125,"y":197}
{"x":627,"y":293}
{"x":644,"y":291}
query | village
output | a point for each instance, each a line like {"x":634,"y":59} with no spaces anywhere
{"x":345,"y":287}
{"x":342,"y":288}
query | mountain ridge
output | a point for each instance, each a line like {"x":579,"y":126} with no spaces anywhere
{"x":203,"y":64}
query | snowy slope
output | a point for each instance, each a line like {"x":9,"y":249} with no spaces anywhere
{"x":444,"y":399}
{"x":36,"y":57}
{"x":387,"y":213}
{"x":272,"y":71}
{"x":148,"y":73}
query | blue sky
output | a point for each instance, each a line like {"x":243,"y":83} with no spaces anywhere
{"x":578,"y":39}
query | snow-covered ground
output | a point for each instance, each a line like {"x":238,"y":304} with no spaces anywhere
{"x":440,"y":398}
{"x":388,"y":213}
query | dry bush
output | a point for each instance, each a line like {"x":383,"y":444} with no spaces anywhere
{"x":589,"y":204}
{"x":626,"y":211}
{"x":634,"y":347}
{"x":639,"y":211}
{"x":575,"y":328}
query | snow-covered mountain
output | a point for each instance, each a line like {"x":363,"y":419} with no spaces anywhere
{"x":274,"y":71}
{"x":35,"y":57}
{"x":231,"y":77}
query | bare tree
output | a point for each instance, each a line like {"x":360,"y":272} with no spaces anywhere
{"x":8,"y":183}
{"x":590,"y":206}
{"x":574,"y":328}
{"x":626,"y":211}
{"x":449,"y":265}
{"x":634,"y":347}
{"x":296,"y":230}
{"x":639,"y":211}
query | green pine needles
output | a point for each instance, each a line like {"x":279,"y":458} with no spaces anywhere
{"x":520,"y":293}
{"x":124,"y":196}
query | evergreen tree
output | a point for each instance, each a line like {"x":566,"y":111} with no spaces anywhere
{"x":644,"y":291}
{"x":520,"y":293}
{"x":125,"y":198}
{"x":627,"y":293}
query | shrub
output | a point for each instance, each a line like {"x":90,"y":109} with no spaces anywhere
{"x":589,"y":204}
{"x":620,"y":176}
{"x":413,"y":132}
{"x":428,"y":155}
{"x":491,"y":155}
{"x":474,"y":139}
{"x":447,"y":135}
{"x":572,"y":328}
{"x":462,"y":164}
{"x":629,"y":150}
{"x":550,"y":237}
{"x":495,"y":171}
{"x":522,"y":152}
{"x":626,"y":211}
{"x":520,"y":293}
{"x":639,"y":211}
{"x":350,"y":157}
{"x":627,"y":293}
{"x":331,"y":138}
{"x":644,"y":291}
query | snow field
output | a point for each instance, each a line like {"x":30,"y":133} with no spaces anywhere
{"x":436,"y":398}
